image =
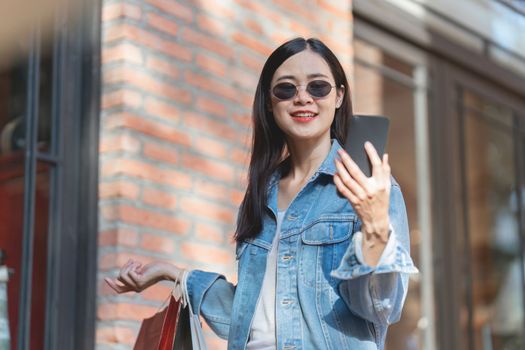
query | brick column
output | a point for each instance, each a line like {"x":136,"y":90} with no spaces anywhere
{"x":178,"y":84}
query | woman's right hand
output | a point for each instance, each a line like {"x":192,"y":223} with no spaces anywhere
{"x":135,"y":277}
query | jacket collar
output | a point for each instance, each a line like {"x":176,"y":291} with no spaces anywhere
{"x":327,"y":167}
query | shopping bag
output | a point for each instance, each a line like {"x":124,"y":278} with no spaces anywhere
{"x":189,"y":335}
{"x":158,"y":331}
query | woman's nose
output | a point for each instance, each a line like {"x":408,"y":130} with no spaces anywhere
{"x":303,"y":96}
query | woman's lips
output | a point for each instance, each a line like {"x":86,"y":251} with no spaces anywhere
{"x":303,"y":117}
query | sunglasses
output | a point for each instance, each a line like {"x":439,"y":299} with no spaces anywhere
{"x":316,"y":89}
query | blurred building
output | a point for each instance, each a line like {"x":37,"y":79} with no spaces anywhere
{"x":127,"y":135}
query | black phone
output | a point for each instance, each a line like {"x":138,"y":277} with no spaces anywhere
{"x":362,"y":128}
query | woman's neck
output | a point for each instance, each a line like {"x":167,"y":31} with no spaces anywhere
{"x":306,"y":157}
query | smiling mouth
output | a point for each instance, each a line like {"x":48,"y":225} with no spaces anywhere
{"x":304,"y":115}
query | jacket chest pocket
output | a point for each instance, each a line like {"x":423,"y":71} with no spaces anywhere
{"x":323,"y":245}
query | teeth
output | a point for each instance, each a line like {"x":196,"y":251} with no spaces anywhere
{"x":304,"y":115}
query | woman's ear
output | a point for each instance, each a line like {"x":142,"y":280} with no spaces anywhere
{"x":340,"y":96}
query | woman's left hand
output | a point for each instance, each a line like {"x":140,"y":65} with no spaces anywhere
{"x":369,"y":196}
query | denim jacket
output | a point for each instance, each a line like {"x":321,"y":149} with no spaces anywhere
{"x":326,"y":296}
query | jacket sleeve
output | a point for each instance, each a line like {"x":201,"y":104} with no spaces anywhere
{"x":212,"y":297}
{"x":377,"y":294}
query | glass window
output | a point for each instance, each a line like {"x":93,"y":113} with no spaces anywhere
{"x":378,"y":94}
{"x":13,"y":99}
{"x":496,"y":291}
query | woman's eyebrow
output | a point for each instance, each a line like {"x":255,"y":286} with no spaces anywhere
{"x":310,"y":76}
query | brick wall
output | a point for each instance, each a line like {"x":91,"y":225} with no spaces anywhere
{"x":178,"y":83}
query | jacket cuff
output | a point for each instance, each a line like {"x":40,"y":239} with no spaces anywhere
{"x":394,"y":258}
{"x":198,"y":282}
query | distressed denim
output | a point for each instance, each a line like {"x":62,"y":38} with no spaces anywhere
{"x":326,"y":296}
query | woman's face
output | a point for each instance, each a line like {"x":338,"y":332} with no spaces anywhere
{"x":305,"y":117}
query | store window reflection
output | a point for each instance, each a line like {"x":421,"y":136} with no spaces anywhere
{"x":495,"y":296}
{"x":392,"y":95}
{"x":13,"y":104}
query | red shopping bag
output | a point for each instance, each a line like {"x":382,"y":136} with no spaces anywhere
{"x":158,"y":331}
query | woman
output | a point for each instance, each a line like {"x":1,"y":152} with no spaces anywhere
{"x":334,"y":242}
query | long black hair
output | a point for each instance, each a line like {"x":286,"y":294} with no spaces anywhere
{"x":268,"y":142}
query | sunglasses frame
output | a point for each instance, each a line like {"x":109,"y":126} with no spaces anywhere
{"x":306,"y":89}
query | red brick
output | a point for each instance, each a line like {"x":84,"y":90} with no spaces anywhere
{"x":122,"y":52}
{"x":146,"y":171}
{"x":246,"y":100}
{"x":209,"y":126}
{"x":252,"y":62}
{"x":211,"y":190}
{"x":254,"y":26}
{"x":157,"y":243}
{"x":214,"y":169}
{"x":212,"y":25}
{"x":161,"y":109}
{"x":147,"y":83}
{"x":261,"y":8}
{"x":343,"y":11}
{"x":211,"y":85}
{"x":118,"y":237}
{"x":117,"y":260}
{"x":211,"y":65}
{"x":255,"y":45}
{"x":211,"y":106}
{"x":118,"y":189}
{"x":243,"y":119}
{"x":145,"y":218}
{"x":162,"y":66}
{"x":301,"y":29}
{"x":219,"y":9}
{"x":245,"y":79}
{"x":157,"y":292}
{"x":161,"y":153}
{"x":236,"y":197}
{"x":125,"y":311}
{"x":120,"y":10}
{"x":207,"y":254}
{"x":298,"y":10}
{"x":121,"y":97}
{"x":240,"y":156}
{"x":206,"y":209}
{"x":118,"y":143}
{"x":209,"y":233}
{"x":209,"y":147}
{"x":174,"y":8}
{"x":158,"y":198}
{"x":115,"y":335}
{"x":163,"y":24}
{"x":149,"y":39}
{"x":148,"y":127}
{"x":207,"y":42}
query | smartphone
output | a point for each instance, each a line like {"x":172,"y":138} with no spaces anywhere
{"x":362,"y":128}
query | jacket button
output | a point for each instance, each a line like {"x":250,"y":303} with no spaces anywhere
{"x":287,"y":257}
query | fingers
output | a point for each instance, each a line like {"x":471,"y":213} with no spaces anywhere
{"x":119,"y":288}
{"x":380,"y":168}
{"x":352,"y":168}
{"x":124,"y":276}
{"x":344,"y":190}
{"x":348,"y":182}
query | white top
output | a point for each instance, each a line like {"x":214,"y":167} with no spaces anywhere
{"x":262,"y":333}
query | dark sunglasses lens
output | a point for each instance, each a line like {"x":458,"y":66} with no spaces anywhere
{"x":284,"y":91}
{"x":319,"y":88}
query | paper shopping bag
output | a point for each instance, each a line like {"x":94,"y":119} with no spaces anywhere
{"x":158,"y":331}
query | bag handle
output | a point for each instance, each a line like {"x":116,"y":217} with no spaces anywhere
{"x":184,"y":287}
